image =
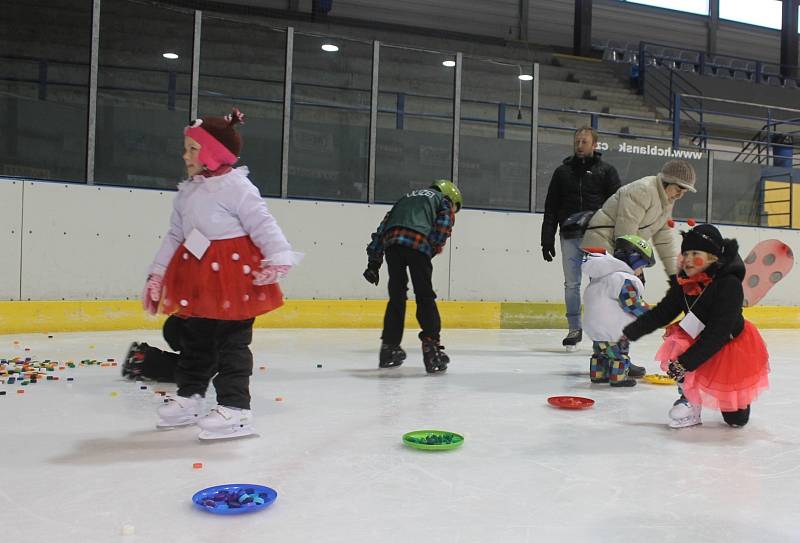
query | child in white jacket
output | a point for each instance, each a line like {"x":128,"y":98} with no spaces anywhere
{"x":612,"y":300}
{"x":217,"y":268}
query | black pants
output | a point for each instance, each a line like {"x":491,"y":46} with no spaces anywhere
{"x":160,"y":365}
{"x":737,"y":418}
{"x":212,"y":346}
{"x":420,"y":267}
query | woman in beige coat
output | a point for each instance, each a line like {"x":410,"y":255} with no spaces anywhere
{"x":643,"y":208}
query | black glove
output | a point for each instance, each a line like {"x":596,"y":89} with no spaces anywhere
{"x":548,"y":251}
{"x":676,"y":371}
{"x":371,"y":273}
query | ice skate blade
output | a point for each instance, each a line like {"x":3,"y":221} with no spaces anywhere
{"x":247,"y":431}
{"x":685,"y":423}
{"x":163,"y":425}
{"x":571,"y":348}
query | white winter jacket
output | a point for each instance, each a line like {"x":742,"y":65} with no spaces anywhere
{"x":640,"y":208}
{"x":603,"y":316}
{"x":223,"y":207}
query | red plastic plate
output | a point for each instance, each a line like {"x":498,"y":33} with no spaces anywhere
{"x":570,"y":402}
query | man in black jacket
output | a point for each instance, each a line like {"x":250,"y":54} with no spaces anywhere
{"x":582,"y":183}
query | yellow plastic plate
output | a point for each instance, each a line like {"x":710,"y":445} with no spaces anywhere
{"x":659,"y":379}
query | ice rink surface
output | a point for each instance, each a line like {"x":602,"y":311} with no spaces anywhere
{"x":83,"y":459}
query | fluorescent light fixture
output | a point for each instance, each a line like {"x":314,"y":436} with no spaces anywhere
{"x":449,"y":63}
{"x":525,"y":77}
{"x":329,"y":47}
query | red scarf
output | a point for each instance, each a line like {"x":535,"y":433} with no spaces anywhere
{"x":694,"y":285}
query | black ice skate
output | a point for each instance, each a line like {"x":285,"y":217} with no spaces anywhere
{"x":133,"y":363}
{"x":636,"y":371}
{"x":391,"y":356}
{"x":573,"y":338}
{"x":436,"y":360}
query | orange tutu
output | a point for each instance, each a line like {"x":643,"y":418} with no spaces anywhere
{"x":219,"y":285}
{"x":731,"y":379}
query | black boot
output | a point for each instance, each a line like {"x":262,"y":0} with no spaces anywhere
{"x":573,"y":338}
{"x":636,"y":371}
{"x":391,"y":356}
{"x":133,"y":363}
{"x":436,"y":360}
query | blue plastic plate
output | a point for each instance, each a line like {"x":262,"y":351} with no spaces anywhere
{"x":234,"y":499}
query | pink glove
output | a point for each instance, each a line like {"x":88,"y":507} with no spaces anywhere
{"x":152,"y":293}
{"x":269,"y":275}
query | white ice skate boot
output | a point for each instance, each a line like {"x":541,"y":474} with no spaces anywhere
{"x":684,"y":414}
{"x":179,"y":411}
{"x":226,"y":422}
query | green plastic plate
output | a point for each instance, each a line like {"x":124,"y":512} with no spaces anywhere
{"x":433,"y":440}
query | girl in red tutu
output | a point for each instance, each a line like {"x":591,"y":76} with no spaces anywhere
{"x":217,"y":268}
{"x":717,"y":357}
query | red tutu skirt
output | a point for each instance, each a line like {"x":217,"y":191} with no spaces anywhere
{"x":731,"y":379}
{"x":219,"y":285}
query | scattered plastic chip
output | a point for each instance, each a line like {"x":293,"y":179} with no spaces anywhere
{"x":278,"y":398}
{"x":197,"y":465}
{"x":128,"y":529}
{"x":20,"y":391}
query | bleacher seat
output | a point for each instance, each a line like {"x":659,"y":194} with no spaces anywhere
{"x":689,"y":61}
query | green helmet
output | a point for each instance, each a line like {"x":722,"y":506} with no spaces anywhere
{"x":633,"y":249}
{"x":446,"y":187}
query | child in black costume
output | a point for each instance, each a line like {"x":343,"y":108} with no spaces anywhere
{"x":718,"y":358}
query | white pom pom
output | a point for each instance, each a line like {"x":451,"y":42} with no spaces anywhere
{"x":246,"y":298}
{"x":246,"y":269}
{"x":184,"y":303}
{"x":226,"y":304}
{"x":215,"y":266}
{"x":235,"y":256}
{"x":186,"y":256}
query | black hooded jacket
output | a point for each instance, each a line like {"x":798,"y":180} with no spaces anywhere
{"x":719,"y":307}
{"x":579,"y":184}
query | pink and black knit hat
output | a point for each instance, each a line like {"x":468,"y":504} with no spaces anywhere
{"x":220,"y":142}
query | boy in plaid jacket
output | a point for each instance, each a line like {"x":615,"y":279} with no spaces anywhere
{"x":410,"y":235}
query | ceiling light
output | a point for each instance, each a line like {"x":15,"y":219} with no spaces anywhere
{"x":170,"y":56}
{"x":329,"y":47}
{"x":449,"y":63}
{"x":525,"y":77}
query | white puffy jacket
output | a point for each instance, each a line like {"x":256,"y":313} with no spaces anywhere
{"x":603,"y":316}
{"x":640,"y":208}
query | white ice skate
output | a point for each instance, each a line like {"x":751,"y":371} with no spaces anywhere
{"x":226,"y":423}
{"x":179,"y":411}
{"x":683,"y":414}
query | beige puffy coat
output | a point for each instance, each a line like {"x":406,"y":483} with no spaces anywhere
{"x":640,"y":208}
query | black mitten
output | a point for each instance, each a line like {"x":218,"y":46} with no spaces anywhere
{"x":676,"y":371}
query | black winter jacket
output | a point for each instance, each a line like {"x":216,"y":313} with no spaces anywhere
{"x":719,"y":307}
{"x":579,"y":184}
